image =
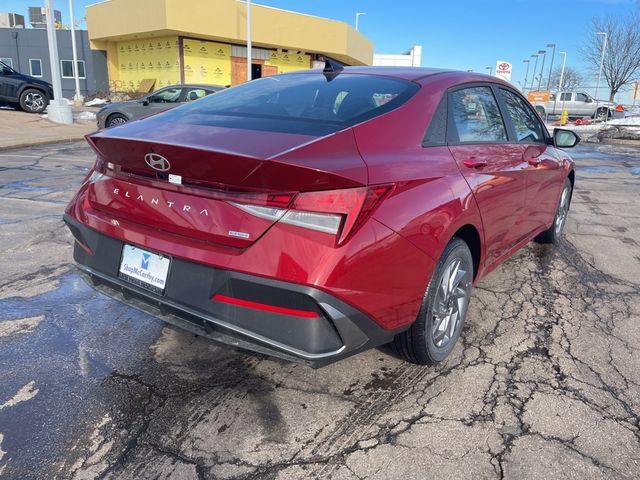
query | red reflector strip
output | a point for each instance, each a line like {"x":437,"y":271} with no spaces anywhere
{"x":84,"y":247}
{"x":263,"y":306}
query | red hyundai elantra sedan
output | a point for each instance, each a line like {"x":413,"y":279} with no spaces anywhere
{"x":313,"y":215}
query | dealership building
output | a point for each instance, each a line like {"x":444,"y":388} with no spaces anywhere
{"x":193,"y":41}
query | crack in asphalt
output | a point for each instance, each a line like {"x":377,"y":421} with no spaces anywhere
{"x":545,"y":381}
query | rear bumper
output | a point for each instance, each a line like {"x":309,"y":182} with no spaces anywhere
{"x":334,"y":331}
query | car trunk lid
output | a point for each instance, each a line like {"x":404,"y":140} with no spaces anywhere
{"x":202,"y":173}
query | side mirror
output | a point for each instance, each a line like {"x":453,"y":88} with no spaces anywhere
{"x":565,"y":138}
{"x":589,"y":100}
{"x":145,"y":102}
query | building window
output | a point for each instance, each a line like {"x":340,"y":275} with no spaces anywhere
{"x":67,"y":69}
{"x":7,"y":61}
{"x":35,"y":67}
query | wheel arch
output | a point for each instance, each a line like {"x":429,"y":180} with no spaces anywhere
{"x":28,"y":86}
{"x":471,"y":236}
{"x":572,"y":179}
{"x":603,"y":109}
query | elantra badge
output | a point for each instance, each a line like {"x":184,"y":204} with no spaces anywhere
{"x":157,"y":162}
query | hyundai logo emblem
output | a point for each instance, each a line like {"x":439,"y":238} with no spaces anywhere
{"x":157,"y":162}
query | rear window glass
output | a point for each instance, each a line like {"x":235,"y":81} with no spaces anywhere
{"x":298,"y":103}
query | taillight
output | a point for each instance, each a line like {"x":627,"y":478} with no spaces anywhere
{"x":268,"y":213}
{"x":336,"y":212}
{"x":96,"y":174}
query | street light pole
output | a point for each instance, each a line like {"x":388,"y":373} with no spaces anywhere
{"x":358,"y":15}
{"x":544,"y":57}
{"x":77,"y":97}
{"x":604,"y":48}
{"x":526,"y":75}
{"x":535,"y":67}
{"x":553,"y":55}
{"x":59,"y":111}
{"x":249,"y":73}
{"x":490,"y":69}
{"x":564,"y":61}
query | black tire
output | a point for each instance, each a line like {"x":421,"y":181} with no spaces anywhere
{"x":602,"y":114}
{"x":115,"y":119}
{"x":419,"y":344}
{"x":33,"y":100}
{"x":554,"y":233}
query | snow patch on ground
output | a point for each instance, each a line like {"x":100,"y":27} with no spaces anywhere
{"x":631,"y":120}
{"x":95,"y":102}
{"x":24,"y":394}
{"x":85,"y":116}
{"x":618,"y":127}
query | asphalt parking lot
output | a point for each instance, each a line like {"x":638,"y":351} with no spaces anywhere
{"x":546,"y":383}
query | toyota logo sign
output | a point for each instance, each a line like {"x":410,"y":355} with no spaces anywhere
{"x":157,"y":162}
{"x":503,"y":70}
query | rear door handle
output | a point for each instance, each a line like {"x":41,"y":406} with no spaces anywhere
{"x":474,"y":163}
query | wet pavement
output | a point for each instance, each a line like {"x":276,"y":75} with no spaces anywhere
{"x":545,"y":384}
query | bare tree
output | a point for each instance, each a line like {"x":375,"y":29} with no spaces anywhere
{"x":571,"y":79}
{"x":622,"y":57}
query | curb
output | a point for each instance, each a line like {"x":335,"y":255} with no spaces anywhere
{"x":621,"y":141}
{"x":49,"y":141}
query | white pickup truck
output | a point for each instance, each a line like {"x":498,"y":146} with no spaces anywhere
{"x":578,"y":104}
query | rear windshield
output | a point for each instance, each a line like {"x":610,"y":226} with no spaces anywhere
{"x":298,"y":103}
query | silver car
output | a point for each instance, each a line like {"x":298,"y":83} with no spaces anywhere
{"x":166,"y":98}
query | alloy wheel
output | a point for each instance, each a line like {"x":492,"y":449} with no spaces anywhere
{"x":34,"y":101}
{"x":117,"y":121}
{"x":451,"y":301}
{"x":563,"y":209}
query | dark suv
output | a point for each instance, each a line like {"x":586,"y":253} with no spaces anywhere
{"x":23,"y":92}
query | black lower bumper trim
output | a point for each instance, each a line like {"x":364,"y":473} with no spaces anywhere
{"x":338,"y":331}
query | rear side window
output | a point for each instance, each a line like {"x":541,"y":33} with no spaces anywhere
{"x":437,"y":131}
{"x":475,"y":116}
{"x":525,"y":122}
{"x":299,"y":103}
{"x":195,"y":94}
{"x":565,"y":97}
{"x":170,"y":95}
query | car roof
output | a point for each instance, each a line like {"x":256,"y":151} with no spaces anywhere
{"x":417,"y":73}
{"x":195,"y":85}
{"x":406,"y":73}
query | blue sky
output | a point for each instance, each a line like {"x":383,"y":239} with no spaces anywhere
{"x":458,"y":34}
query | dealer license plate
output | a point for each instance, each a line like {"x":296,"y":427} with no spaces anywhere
{"x":145,"y":269}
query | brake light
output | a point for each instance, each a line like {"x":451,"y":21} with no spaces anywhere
{"x":336,"y":212}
